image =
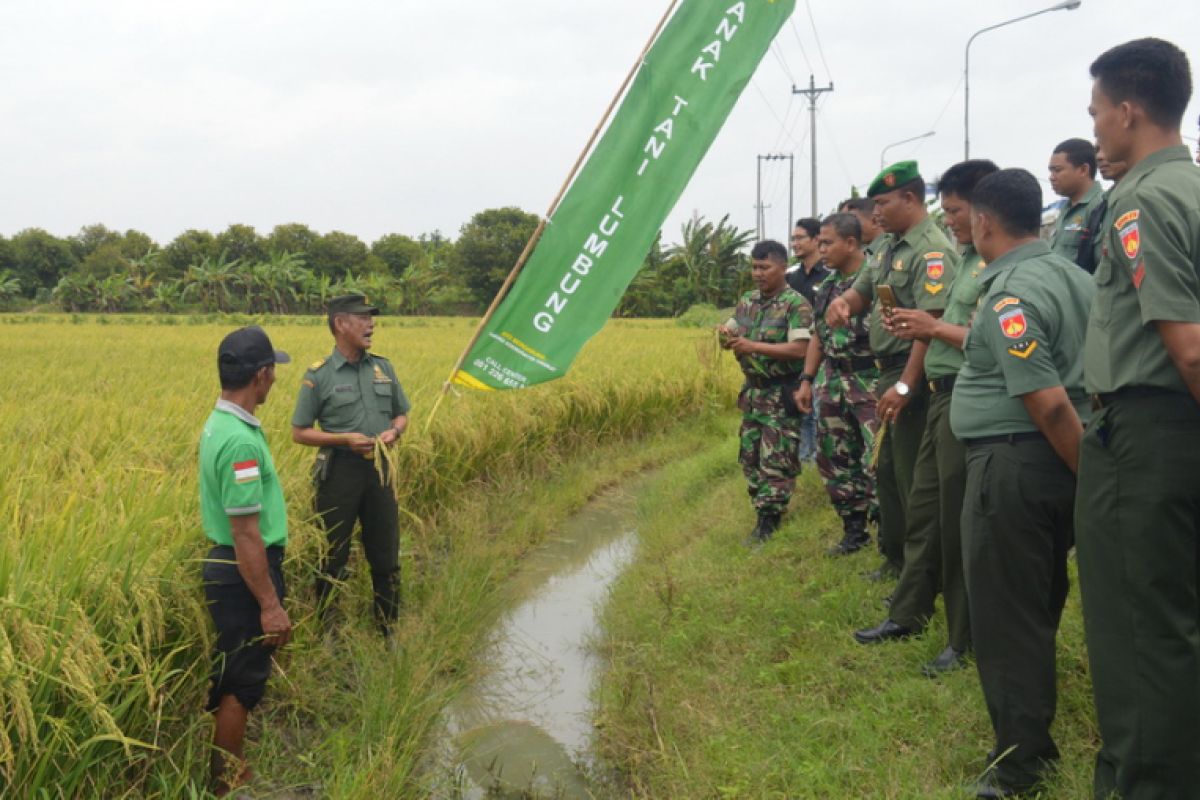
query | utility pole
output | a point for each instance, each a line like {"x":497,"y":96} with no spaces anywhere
{"x":791,"y":159}
{"x":811,"y":92}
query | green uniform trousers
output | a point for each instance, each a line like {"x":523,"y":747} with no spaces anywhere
{"x":933,"y":544}
{"x":894,"y":473}
{"x":1017,"y":531}
{"x":1139,"y":554}
{"x":352,"y":492}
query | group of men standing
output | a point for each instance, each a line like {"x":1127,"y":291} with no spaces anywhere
{"x":1014,"y":406}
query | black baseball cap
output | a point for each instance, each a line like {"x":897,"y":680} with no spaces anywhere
{"x":249,"y":348}
{"x":355,"y":303}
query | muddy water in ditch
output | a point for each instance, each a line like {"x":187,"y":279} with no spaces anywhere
{"x":524,"y":729}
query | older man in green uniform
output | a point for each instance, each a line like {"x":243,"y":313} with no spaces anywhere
{"x":1017,"y":406}
{"x":769,"y":335}
{"x":1138,"y":507}
{"x":357,"y":400}
{"x":933,"y":541}
{"x":916,"y":265}
{"x":1073,"y":175}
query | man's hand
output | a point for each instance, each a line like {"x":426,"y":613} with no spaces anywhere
{"x":890,"y":405}
{"x":725,"y":335}
{"x":804,"y":397}
{"x":743,"y":346}
{"x":910,"y":323}
{"x":277,"y":628}
{"x":838,"y":313}
{"x":359,"y":443}
{"x":389,"y":437}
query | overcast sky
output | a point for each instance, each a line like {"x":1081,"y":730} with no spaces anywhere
{"x":380,"y":116}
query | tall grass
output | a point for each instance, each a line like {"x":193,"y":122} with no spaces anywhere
{"x":103,"y":633}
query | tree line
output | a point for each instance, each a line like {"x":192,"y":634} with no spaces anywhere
{"x":295,"y":270}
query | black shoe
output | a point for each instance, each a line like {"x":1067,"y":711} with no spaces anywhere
{"x":990,"y":788}
{"x":887,"y":572}
{"x":885,"y":632}
{"x":948,"y":661}
{"x":854,"y":535}
{"x":766,"y":526}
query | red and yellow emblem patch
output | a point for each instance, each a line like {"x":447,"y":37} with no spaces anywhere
{"x":1013,"y":324}
{"x":889,"y":180}
{"x":1129,"y":232}
{"x":935,"y":268}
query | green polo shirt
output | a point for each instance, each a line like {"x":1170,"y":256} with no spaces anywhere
{"x":237,"y":477}
{"x":943,"y":359}
{"x":361,"y":396}
{"x":1027,"y":335}
{"x":918,"y":266}
{"x":1071,"y":222}
{"x":1149,"y":271}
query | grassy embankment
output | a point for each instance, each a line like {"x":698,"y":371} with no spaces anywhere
{"x":103,"y":635}
{"x":732,"y":672}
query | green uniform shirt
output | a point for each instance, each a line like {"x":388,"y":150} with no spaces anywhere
{"x":918,"y":266}
{"x":943,"y":359}
{"x":1027,"y":335}
{"x":237,"y":477}
{"x":1072,"y":221}
{"x":1149,"y":271}
{"x":850,"y":342}
{"x":786,"y":317}
{"x":876,"y":244}
{"x":350,"y":397}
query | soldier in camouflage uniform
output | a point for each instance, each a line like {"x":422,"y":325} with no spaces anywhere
{"x":769,"y":335}
{"x":840,"y":371}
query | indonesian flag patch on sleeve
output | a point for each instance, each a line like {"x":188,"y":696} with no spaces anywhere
{"x":245,"y":471}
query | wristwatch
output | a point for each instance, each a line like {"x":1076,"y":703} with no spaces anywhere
{"x":902,"y":388}
{"x":804,"y":376}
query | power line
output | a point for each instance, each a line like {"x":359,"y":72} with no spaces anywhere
{"x":774,"y":113}
{"x":782,"y":63}
{"x":837,"y":151}
{"x":817,"y":36}
{"x":803,"y":52}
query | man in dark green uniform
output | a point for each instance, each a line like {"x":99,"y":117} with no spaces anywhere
{"x":917,"y":263}
{"x":1139,"y":476}
{"x":769,"y":335}
{"x":1017,"y":406}
{"x":1073,"y":175}
{"x":864,"y":209}
{"x":1092,"y":241}
{"x":840,"y":375}
{"x":933,"y":541}
{"x":356,"y":398}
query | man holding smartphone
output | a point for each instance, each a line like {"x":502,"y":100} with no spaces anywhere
{"x":914,"y":266}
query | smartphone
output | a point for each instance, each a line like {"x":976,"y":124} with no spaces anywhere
{"x":887,"y":299}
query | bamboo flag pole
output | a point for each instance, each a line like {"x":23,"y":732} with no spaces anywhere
{"x":541,"y":226}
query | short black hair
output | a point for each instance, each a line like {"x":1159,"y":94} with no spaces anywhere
{"x":915,"y":187}
{"x":962,"y":178}
{"x":846,"y":225}
{"x":236,"y":376}
{"x":862,"y":205}
{"x":1152,"y":72}
{"x":1014,"y":198}
{"x":811,"y":225}
{"x":769,"y":249}
{"x":1078,"y":153}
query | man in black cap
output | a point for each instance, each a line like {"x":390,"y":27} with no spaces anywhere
{"x":356,"y":398}
{"x":244,"y":516}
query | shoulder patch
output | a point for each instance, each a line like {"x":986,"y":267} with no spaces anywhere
{"x":1013,"y":324}
{"x":1008,"y":301}
{"x":935,"y":268}
{"x":318,"y":364}
{"x":1126,"y":218}
{"x":1131,"y":236}
{"x":309,"y":383}
{"x":934,"y":254}
{"x":1023,"y":349}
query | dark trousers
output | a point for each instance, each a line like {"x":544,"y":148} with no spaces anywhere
{"x":352,"y":492}
{"x":933,"y":543}
{"x":1139,"y":558}
{"x":1017,"y":530}
{"x":894,"y":473}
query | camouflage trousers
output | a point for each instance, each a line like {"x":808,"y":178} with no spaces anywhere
{"x":846,"y":437}
{"x":770,"y":448}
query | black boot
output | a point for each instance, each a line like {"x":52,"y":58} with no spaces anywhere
{"x":767,"y":524}
{"x":854,"y":535}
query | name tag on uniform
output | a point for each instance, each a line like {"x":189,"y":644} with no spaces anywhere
{"x":346,"y":387}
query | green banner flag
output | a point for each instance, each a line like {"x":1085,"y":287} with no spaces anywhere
{"x":599,"y":235}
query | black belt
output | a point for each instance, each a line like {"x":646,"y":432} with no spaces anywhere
{"x":1007,"y":438}
{"x":896,"y":360}
{"x":757,"y":382}
{"x":852,"y":364}
{"x":1106,"y":399}
{"x":225,"y":552}
{"x":943,"y":384}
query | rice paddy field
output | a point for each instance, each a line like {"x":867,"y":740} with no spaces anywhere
{"x":103,"y":633}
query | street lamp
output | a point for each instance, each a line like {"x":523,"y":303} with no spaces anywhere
{"x":1066,"y":5}
{"x":883,"y":152}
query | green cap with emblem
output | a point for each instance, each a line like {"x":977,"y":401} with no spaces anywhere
{"x":355,"y":303}
{"x":893,"y":177}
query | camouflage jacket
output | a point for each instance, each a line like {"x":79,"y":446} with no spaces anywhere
{"x":841,"y":343}
{"x":783,"y":318}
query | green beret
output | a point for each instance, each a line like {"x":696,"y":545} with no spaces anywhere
{"x":894,"y":176}
{"x":351,"y":304}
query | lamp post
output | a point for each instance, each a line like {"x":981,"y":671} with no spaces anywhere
{"x":883,"y":152}
{"x":1066,"y":5}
